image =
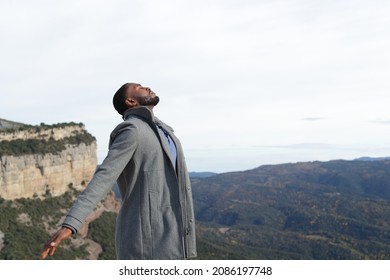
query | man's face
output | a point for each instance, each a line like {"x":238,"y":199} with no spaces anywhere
{"x":144,"y":96}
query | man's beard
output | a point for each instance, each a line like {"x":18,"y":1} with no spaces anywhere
{"x":148,"y":101}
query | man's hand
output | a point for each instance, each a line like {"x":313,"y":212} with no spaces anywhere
{"x":51,"y":246}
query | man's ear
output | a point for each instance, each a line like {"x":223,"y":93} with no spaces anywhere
{"x":130,"y":102}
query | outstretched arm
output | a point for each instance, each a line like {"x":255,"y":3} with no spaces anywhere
{"x":51,"y":245}
{"x":122,"y":148}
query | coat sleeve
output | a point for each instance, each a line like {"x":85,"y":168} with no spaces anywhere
{"x":123,"y":143}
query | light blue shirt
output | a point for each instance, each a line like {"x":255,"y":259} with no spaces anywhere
{"x":171,"y":145}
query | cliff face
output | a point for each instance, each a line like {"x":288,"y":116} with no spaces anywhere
{"x":35,"y":160}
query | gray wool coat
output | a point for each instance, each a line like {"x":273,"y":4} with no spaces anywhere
{"x":156,"y":220}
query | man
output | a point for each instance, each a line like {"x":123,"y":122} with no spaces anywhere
{"x":156,"y":219}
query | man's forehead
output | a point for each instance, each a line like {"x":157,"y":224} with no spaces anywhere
{"x":134,"y":85}
{"x":132,"y":88}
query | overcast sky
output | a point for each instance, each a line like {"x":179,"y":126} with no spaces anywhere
{"x":243,"y":83}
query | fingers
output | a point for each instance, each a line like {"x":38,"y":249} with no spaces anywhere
{"x":49,"y":249}
{"x":53,"y":249}
{"x":51,"y":246}
{"x":46,"y":251}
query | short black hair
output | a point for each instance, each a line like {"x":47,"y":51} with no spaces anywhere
{"x":119,"y":99}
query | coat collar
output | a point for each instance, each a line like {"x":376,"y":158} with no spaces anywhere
{"x":146,"y":114}
{"x":141,"y":111}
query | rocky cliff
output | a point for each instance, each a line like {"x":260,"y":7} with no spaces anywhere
{"x":43,"y":159}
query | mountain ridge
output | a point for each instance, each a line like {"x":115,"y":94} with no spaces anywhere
{"x":309,"y":210}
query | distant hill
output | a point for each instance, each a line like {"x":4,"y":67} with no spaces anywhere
{"x":6,"y":124}
{"x":202,"y":174}
{"x":314,"y":210}
{"x":372,"y":158}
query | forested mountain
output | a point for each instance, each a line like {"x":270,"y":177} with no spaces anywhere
{"x":311,"y":210}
